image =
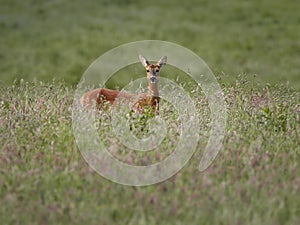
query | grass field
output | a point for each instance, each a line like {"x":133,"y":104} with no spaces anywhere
{"x":45,"y":39}
{"x":252,"y":47}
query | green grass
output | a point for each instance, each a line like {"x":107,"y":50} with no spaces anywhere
{"x":253,"y":48}
{"x":46,"y":39}
{"x":254,"y":180}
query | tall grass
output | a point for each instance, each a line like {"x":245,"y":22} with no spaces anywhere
{"x":254,"y":180}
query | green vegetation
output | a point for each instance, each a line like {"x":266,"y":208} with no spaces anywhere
{"x":45,"y":39}
{"x":255,"y":178}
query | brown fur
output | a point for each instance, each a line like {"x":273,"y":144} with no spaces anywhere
{"x":100,"y":96}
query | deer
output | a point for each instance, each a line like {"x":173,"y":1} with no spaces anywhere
{"x":100,"y":96}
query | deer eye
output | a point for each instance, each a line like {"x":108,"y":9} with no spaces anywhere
{"x":156,"y":71}
{"x":148,"y":71}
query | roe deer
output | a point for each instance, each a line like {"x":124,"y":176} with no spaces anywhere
{"x":101,"y":95}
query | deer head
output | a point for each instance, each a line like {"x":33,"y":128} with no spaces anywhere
{"x":153,"y":69}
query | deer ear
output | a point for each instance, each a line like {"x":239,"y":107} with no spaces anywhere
{"x":144,"y":61}
{"x":162,"y":61}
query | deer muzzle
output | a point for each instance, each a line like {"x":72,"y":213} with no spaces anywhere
{"x":153,"y":79}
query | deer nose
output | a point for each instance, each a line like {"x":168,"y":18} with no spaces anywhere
{"x":153,"y":79}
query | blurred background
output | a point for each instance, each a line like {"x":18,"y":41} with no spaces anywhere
{"x":58,"y":39}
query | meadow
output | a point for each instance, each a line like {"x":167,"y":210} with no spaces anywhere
{"x":251,"y":46}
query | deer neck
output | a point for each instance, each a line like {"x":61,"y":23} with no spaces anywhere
{"x":153,"y":90}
